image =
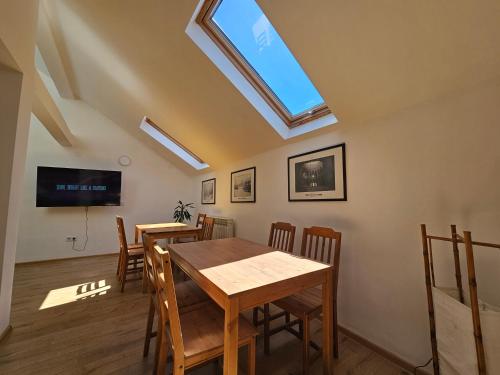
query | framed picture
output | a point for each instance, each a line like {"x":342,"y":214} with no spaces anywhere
{"x":243,"y":186}
{"x":208,"y":191}
{"x":318,"y":175}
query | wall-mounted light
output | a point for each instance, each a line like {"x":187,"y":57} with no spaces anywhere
{"x":124,"y":161}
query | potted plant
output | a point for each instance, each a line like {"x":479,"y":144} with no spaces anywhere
{"x":181,"y":212}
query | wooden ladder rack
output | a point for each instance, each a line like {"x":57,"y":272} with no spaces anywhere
{"x":430,"y":282}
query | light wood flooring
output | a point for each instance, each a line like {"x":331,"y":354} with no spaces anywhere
{"x":102,"y":330}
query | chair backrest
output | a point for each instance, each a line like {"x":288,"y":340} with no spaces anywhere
{"x":167,"y":301}
{"x":200,"y":220}
{"x":312,"y":238}
{"x":318,"y":242}
{"x":122,"y":238}
{"x":148,"y":259}
{"x":207,"y":229}
{"x":282,"y":236}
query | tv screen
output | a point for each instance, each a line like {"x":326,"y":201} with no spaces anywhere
{"x":68,"y":187}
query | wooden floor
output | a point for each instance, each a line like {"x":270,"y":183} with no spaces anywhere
{"x":69,"y":317}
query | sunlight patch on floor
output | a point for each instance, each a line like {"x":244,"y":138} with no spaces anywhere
{"x":62,"y":296}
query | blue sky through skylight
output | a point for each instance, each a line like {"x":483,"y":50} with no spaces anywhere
{"x":249,"y":30}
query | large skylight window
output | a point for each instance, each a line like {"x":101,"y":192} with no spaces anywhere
{"x":155,"y":132}
{"x":245,"y":35}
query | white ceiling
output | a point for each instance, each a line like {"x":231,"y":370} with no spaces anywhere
{"x":130,"y":58}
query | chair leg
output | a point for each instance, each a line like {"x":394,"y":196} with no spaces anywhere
{"x":305,"y":347}
{"x":219,"y":365}
{"x":267,"y":337}
{"x":255,"y":316}
{"x":120,"y":267}
{"x":335,"y":332}
{"x":122,"y":289}
{"x":149,"y":326}
{"x":162,"y":353}
{"x":251,"y":357}
{"x":144,"y":276}
{"x":119,"y":264}
{"x":123,"y":272}
{"x":159,"y":335}
{"x":177,"y":370}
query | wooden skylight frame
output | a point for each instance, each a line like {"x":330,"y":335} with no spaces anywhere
{"x":151,"y":123}
{"x":204,"y":20}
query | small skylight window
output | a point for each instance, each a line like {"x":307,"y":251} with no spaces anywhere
{"x":245,"y":35}
{"x":171,"y":144}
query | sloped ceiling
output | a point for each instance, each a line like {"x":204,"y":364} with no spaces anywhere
{"x":371,"y":58}
{"x":130,"y":58}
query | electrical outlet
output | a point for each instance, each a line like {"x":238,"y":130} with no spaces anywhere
{"x":70,"y":239}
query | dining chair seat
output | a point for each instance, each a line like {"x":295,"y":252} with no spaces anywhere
{"x":306,"y":302}
{"x":203,"y":332}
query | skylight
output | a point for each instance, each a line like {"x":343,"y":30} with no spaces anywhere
{"x":171,"y":144}
{"x":244,"y":34}
{"x":251,"y":33}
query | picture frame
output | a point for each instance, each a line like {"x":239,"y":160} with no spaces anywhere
{"x":243,"y":186}
{"x":318,"y":175}
{"x":208,"y":191}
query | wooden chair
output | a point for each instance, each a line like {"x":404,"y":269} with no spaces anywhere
{"x":200,"y":220}
{"x":317,"y":244}
{"x":194,"y":337}
{"x":129,"y":246}
{"x":281,"y":236}
{"x":199,"y":224}
{"x":189,"y":296}
{"x":207,"y":228}
{"x":130,"y":260}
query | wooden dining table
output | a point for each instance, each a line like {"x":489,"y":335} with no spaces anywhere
{"x":165,"y":231}
{"x":239,"y":275}
{"x":174,"y":229}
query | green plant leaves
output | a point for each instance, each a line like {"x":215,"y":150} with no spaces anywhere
{"x":181,"y":212}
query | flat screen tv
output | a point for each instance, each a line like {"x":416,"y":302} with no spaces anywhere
{"x":68,"y":187}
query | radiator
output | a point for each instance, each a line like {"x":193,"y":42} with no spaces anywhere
{"x":223,"y":228}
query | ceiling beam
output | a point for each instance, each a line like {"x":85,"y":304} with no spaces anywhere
{"x":45,"y":109}
{"x":51,"y":55}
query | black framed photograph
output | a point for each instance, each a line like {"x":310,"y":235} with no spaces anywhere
{"x":243,"y":186}
{"x":318,"y":175}
{"x":208,"y":191}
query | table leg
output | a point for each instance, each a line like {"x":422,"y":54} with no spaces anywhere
{"x":231,"y":322}
{"x":328,"y":324}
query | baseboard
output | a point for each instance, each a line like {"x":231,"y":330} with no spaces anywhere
{"x":5,"y":332}
{"x":383,"y":352}
{"x":68,"y":258}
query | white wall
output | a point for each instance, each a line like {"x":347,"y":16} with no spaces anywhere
{"x":437,"y":163}
{"x":151,"y":186}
